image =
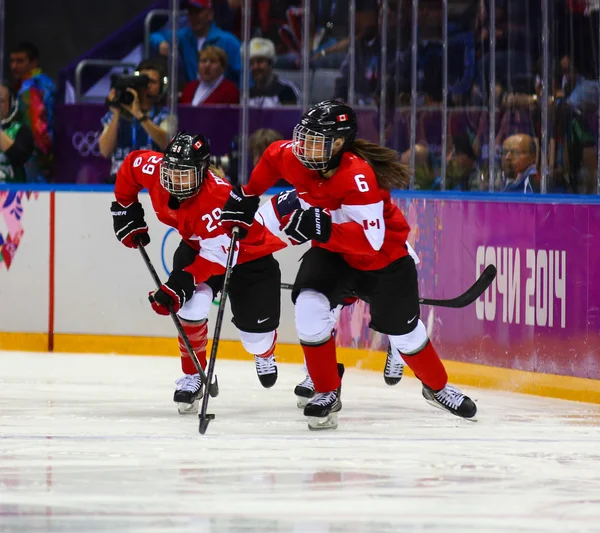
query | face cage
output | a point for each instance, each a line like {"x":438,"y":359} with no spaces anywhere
{"x":182,"y":181}
{"x":313,"y":149}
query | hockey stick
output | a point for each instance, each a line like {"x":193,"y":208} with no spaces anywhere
{"x":470,"y":295}
{"x":213,"y":389}
{"x":466,"y":298}
{"x":206,"y":418}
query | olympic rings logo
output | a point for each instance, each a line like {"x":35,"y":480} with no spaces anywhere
{"x":86,"y":143}
{"x":163,"y":247}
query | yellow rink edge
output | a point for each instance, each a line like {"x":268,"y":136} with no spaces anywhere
{"x":474,"y":375}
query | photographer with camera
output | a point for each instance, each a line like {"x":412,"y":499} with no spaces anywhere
{"x":135,"y":121}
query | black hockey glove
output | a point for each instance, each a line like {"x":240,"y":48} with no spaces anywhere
{"x":173,"y":294}
{"x":311,"y":224}
{"x":129,"y":224}
{"x":239,"y":210}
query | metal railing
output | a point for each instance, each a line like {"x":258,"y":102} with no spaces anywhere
{"x":95,"y":63}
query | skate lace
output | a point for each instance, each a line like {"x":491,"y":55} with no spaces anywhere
{"x":393,"y":367}
{"x":324,"y":398}
{"x":265,"y":365}
{"x":307,"y":383}
{"x":189,"y":382}
{"x":450,"y":396}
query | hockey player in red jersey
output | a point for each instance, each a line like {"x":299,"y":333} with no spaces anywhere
{"x":358,"y":248}
{"x":274,"y":215}
{"x":187,"y":195}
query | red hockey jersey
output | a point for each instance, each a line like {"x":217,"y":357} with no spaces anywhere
{"x":197,"y":220}
{"x":368,"y":230}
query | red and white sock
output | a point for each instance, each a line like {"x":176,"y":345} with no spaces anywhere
{"x":197,"y":333}
{"x":428,"y":367}
{"x":271,"y":350}
{"x":322,"y":366}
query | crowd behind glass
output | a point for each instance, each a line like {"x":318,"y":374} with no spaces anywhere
{"x":427,"y":94}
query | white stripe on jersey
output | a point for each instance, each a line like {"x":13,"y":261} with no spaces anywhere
{"x":369,"y":216}
{"x":412,"y":253}
{"x":268,"y":218}
{"x":216,"y":249}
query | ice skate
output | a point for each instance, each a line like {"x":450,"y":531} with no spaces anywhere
{"x":322,"y":410}
{"x":304,"y":391}
{"x":188,"y":394}
{"x":452,"y":400}
{"x":323,"y":407}
{"x":266,"y":369}
{"x":394,"y":367}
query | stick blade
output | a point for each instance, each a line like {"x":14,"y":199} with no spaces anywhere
{"x":213,"y":389}
{"x":204,"y":421}
{"x":468,"y":297}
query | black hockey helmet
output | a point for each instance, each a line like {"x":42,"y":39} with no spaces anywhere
{"x":317,"y":130}
{"x":184,"y":165}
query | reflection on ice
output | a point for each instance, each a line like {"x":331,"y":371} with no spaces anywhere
{"x":94,"y":443}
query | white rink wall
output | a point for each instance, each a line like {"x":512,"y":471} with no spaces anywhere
{"x":100,"y":287}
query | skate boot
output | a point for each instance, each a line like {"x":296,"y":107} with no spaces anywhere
{"x":394,"y":367}
{"x":304,"y":391}
{"x":188,"y":394}
{"x":323,"y":407}
{"x":322,"y":410}
{"x":452,"y":400}
{"x":266,"y":369}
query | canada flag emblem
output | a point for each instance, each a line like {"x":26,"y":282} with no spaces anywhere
{"x":342,"y":118}
{"x":198,"y":144}
{"x":367,"y":224}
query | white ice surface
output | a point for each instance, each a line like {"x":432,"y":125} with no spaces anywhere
{"x":95,"y":444}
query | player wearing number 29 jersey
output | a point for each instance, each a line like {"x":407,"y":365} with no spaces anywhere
{"x":187,"y":195}
{"x":196,"y":219}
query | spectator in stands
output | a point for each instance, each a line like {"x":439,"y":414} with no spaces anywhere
{"x":461,"y":166}
{"x":268,"y":89}
{"x":212,"y":87}
{"x":200,"y":33}
{"x":423,"y":171}
{"x":36,"y":94}
{"x":260,"y":140}
{"x":141,"y":125}
{"x":368,"y":63}
{"x":16,"y":139}
{"x":281,"y":22}
{"x":332,"y":26}
{"x":571,"y":77}
{"x":518,"y":164}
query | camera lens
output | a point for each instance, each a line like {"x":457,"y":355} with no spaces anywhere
{"x":126,"y":98}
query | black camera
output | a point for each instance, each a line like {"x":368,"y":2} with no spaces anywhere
{"x":223,"y":161}
{"x":121,"y":82}
{"x":229,"y":162}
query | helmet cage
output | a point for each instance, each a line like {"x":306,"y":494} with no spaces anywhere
{"x":181,"y":180}
{"x":309,"y":151}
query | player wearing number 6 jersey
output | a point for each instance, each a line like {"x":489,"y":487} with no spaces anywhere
{"x":358,"y":248}
{"x":187,"y":195}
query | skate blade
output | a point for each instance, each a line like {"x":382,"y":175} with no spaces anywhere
{"x":188,"y":408}
{"x":442,"y":408}
{"x":319,"y":423}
